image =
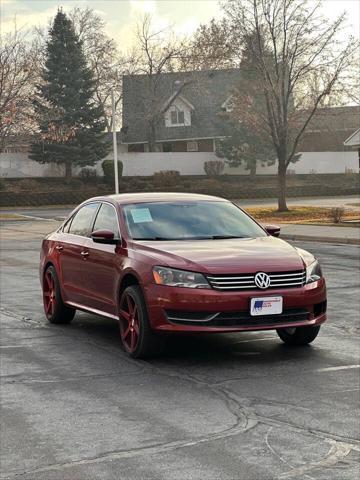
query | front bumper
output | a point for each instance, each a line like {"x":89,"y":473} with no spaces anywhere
{"x":213,"y":311}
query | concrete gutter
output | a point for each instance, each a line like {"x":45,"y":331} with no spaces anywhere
{"x":321,"y":233}
{"x":310,"y":238}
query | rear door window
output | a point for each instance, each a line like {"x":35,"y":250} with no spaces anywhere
{"x":83,"y":220}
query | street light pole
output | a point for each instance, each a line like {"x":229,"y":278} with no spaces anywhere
{"x":114,"y":143}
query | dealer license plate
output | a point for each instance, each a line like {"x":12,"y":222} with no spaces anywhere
{"x":266,"y":306}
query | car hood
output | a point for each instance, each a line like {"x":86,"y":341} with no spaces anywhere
{"x":240,"y":255}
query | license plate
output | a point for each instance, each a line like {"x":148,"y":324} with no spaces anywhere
{"x":266,"y":306}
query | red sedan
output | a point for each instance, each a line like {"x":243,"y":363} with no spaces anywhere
{"x":165,"y":263}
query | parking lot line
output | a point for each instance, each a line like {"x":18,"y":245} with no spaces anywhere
{"x":333,"y":369}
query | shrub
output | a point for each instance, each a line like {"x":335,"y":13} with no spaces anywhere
{"x":166,"y":178}
{"x":72,"y":183}
{"x":87,"y":173}
{"x":214,"y":168}
{"x":108,"y":169}
{"x":337,"y":214}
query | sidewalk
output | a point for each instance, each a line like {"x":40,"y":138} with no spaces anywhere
{"x":317,"y":233}
{"x":350,"y":202}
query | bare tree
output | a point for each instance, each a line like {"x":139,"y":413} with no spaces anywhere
{"x":211,"y":48}
{"x":303,"y":46}
{"x":19,"y":71}
{"x":158,"y":52}
{"x":106,"y":62}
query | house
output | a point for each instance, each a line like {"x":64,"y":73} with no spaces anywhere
{"x":186,"y":105}
{"x":182,"y":115}
{"x":353,"y":142}
{"x":328,"y":129}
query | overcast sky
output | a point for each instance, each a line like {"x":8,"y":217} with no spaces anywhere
{"x":121,"y":15}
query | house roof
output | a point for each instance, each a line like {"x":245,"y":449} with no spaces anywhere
{"x":335,"y":118}
{"x":206,"y":92}
{"x":329,"y":128}
{"x":353,"y":140}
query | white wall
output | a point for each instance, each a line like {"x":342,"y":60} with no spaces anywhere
{"x":148,"y":163}
{"x":310,"y":162}
{"x":143,"y":164}
{"x":20,"y":165}
{"x":326,"y":162}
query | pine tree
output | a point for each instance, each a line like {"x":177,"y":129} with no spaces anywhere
{"x":71,"y":125}
{"x":246,"y":142}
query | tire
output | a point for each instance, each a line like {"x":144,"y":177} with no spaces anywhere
{"x":138,"y":340}
{"x":55,"y":309}
{"x":298,"y":335}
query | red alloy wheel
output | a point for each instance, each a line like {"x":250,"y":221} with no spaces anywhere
{"x":129,"y":322}
{"x":49,"y":294}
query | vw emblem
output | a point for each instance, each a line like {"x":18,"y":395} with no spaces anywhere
{"x":262,"y":280}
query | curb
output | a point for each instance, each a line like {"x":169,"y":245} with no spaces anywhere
{"x":308,"y":238}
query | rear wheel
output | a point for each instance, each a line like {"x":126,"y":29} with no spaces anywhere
{"x":138,"y":339}
{"x":55,"y":309}
{"x":298,"y":335}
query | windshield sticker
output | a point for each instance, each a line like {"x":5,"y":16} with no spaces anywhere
{"x":141,"y":215}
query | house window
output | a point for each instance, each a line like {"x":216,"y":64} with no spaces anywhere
{"x":177,"y":117}
{"x":167,"y":147}
{"x":192,"y":147}
{"x":136,"y":147}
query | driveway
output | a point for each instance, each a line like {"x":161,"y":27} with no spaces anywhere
{"x":218,"y":407}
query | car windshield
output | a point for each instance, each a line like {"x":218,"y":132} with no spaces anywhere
{"x":189,"y":221}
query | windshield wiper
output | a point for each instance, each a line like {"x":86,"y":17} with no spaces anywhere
{"x":223,"y":237}
{"x":211,"y":237}
{"x":154,"y":238}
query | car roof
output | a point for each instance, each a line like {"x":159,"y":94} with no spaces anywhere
{"x":125,"y":198}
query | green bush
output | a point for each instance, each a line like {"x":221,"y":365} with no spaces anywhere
{"x":166,"y":178}
{"x":108,"y":169}
{"x":87,"y":173}
{"x":214,"y":168}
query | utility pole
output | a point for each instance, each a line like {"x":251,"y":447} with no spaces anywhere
{"x":114,"y":143}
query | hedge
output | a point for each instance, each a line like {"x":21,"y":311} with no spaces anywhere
{"x":225,"y":186}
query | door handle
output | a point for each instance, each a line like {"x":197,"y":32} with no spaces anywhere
{"x":84,"y":254}
{"x":59,"y":248}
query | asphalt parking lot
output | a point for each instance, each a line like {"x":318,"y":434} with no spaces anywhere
{"x":221,"y":407}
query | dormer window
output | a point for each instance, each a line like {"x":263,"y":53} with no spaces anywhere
{"x":179,"y":113}
{"x":177,"y":117}
{"x":228,"y":105}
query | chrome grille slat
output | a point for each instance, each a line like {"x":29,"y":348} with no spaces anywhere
{"x":237,"y":283}
{"x":286,"y":274}
{"x":247,"y":282}
{"x":286,"y":280}
{"x":230,"y":277}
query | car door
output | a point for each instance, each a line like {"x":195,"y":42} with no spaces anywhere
{"x":72,"y":255}
{"x":103,"y":264}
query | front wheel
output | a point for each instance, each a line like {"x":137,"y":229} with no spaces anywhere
{"x":298,"y":335}
{"x":138,"y":339}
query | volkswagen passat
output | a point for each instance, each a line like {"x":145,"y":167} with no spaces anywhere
{"x":165,"y":263}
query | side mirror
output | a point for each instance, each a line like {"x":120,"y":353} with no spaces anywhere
{"x":104,"y":236}
{"x":273,"y":230}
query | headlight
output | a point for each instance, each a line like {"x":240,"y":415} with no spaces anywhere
{"x":179,"y":278}
{"x":313,"y":272}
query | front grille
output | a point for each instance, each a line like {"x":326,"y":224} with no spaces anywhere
{"x":247,"y":281}
{"x":236,"y":319}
